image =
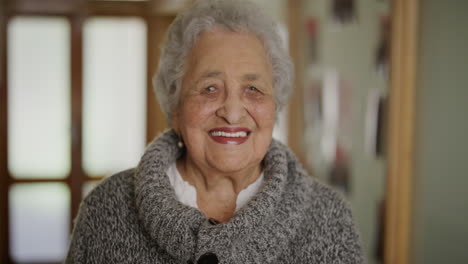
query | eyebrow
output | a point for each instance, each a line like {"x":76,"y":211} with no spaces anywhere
{"x":211,"y":74}
{"x":251,"y":77}
{"x":246,"y":77}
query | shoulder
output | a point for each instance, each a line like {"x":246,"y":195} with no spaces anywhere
{"x":324,"y":197}
{"x":107,"y":226}
{"x":331,"y":225}
{"x":112,"y":191}
{"x":110,"y":206}
{"x":313,"y":194}
{"x":325,"y":205}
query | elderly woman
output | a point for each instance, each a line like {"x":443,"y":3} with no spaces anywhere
{"x":217,"y":188}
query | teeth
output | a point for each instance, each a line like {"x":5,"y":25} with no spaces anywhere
{"x":226,"y":134}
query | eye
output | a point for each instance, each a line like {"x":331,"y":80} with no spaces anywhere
{"x":209,"y":89}
{"x":253,"y":89}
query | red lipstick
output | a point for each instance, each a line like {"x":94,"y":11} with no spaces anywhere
{"x":230,"y":135}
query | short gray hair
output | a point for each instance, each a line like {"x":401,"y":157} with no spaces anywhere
{"x":206,"y":15}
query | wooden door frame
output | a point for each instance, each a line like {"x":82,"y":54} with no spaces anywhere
{"x":401,"y":120}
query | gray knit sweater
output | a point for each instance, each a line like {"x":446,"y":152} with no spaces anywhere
{"x":134,"y":217}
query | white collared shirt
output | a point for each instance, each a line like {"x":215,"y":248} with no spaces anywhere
{"x":187,"y":194}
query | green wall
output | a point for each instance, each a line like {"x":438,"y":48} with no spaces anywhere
{"x":441,"y":184}
{"x":350,"y":50}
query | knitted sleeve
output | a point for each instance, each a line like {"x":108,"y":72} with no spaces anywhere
{"x":345,"y":244}
{"x":81,"y":238}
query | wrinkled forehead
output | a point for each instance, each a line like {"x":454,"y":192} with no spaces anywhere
{"x":216,"y":49}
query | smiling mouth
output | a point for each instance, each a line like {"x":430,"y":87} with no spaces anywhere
{"x":227,"y":134}
{"x":231,"y":136}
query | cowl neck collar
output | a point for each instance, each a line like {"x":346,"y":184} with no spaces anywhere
{"x":258,"y":232}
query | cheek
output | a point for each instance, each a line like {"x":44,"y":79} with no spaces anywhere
{"x":197,"y":111}
{"x":264,"y":114}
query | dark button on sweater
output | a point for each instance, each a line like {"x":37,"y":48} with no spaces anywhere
{"x":208,"y":258}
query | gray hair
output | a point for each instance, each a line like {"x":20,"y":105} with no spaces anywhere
{"x":206,"y":15}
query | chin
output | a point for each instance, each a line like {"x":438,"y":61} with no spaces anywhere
{"x":232,"y":164}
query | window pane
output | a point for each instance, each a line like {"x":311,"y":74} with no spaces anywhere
{"x":38,"y":97}
{"x":114,"y":120}
{"x":39,"y":222}
{"x":89,"y":186}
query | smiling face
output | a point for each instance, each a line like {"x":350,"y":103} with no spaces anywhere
{"x":227,"y":105}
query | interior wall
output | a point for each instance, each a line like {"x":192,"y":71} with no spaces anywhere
{"x":350,"y":49}
{"x":274,"y":8}
{"x":441,"y":201}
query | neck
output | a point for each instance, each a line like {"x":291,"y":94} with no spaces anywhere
{"x":217,"y":191}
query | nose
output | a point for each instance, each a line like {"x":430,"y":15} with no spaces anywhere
{"x":232,"y":109}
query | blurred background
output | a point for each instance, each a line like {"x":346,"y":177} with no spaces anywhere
{"x":378,"y":112}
